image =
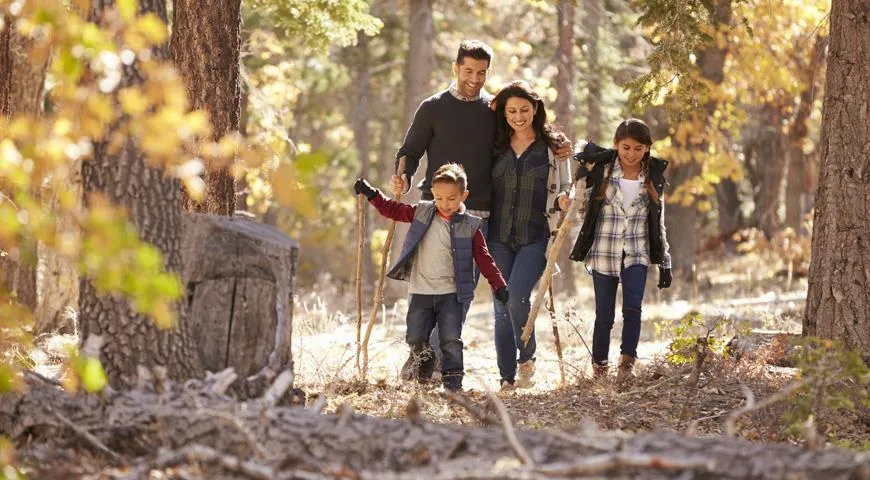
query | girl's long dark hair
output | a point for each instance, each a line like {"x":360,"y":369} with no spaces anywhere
{"x":638,"y":131}
{"x":503,"y":131}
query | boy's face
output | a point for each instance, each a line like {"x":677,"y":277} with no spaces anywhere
{"x":448,"y":198}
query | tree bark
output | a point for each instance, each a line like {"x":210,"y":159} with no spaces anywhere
{"x":205,"y":50}
{"x":21,"y":86}
{"x":592,"y":23}
{"x":797,"y":134}
{"x":769,"y":162}
{"x":144,"y":429}
{"x":565,"y":283}
{"x":838,"y":302}
{"x":419,"y":67}
{"x":684,"y":220}
{"x":153,"y":204}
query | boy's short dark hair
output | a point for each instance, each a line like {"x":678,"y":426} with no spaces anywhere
{"x":452,"y":173}
{"x":474,"y":49}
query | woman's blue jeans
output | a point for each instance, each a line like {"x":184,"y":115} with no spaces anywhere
{"x":521,"y":267}
{"x":633,"y":283}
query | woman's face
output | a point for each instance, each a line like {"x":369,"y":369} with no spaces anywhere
{"x":631,"y":152}
{"x":519,"y":114}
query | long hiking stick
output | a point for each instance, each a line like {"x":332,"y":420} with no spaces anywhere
{"x":361,"y":224}
{"x":551,"y":306}
{"x":552,"y":254}
{"x":379,"y":291}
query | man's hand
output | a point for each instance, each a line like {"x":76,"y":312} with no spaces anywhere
{"x":564,"y":202}
{"x":398,"y":185}
{"x":564,"y":151}
{"x":502,"y":295}
{"x":665,"y":277}
{"x":362,"y":187}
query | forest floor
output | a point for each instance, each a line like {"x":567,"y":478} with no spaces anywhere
{"x":746,"y":293}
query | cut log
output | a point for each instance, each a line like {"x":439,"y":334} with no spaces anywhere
{"x":148,"y":429}
{"x":239,"y":278}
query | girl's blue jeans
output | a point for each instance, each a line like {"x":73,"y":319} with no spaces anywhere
{"x":633,"y":283}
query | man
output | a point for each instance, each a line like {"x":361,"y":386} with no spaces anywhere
{"x":456,"y":125}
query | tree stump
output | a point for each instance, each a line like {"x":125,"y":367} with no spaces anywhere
{"x":239,"y":279}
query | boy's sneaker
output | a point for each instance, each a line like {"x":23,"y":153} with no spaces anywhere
{"x":525,"y":372}
{"x":506,"y":385}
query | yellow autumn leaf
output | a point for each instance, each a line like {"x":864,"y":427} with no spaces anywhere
{"x":163,"y":315}
{"x":152,"y":28}
{"x":127,"y":8}
{"x":133,"y":102}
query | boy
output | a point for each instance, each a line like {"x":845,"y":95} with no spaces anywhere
{"x":437,"y":258}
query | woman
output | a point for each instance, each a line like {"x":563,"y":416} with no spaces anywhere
{"x":530,"y":187}
{"x":623,"y":234}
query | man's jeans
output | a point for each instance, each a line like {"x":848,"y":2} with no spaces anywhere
{"x":442,"y":313}
{"x":433,"y":340}
{"x":522,"y":268}
{"x":633,"y":283}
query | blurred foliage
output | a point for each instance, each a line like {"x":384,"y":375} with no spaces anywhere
{"x":836,"y":379}
{"x":693,"y":335}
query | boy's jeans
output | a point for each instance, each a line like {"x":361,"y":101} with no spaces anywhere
{"x":522,"y":268}
{"x":633,"y":283}
{"x":434,"y":340}
{"x":443,"y":313}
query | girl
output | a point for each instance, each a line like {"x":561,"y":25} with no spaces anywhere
{"x":529,"y":188}
{"x":623,"y":233}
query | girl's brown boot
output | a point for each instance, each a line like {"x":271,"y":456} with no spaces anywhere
{"x":625,"y":374}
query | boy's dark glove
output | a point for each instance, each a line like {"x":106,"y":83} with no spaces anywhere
{"x":502,"y":295}
{"x":665,"y":277}
{"x":362,"y":187}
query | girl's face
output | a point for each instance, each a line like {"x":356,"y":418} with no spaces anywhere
{"x":631,"y":152}
{"x":519,"y":114}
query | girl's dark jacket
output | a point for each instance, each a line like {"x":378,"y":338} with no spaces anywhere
{"x":595,"y":162}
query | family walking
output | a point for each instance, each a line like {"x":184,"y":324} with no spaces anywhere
{"x":499,"y":177}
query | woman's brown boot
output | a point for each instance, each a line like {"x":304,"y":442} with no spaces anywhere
{"x":624,"y":374}
{"x":599,"y":371}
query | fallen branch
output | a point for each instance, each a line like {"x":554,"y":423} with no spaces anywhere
{"x":87,"y":436}
{"x":473,"y":408}
{"x":201,"y":453}
{"x":751,"y":406}
{"x":508,"y":428}
{"x":600,"y":464}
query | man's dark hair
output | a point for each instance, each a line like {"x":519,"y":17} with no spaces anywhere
{"x":474,"y":49}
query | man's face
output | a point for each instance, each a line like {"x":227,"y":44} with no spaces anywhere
{"x":470,"y":75}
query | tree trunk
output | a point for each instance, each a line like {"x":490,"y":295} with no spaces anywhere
{"x":360,"y":113}
{"x":205,"y":50}
{"x":592,"y":24}
{"x":565,"y":282}
{"x":730,"y":218}
{"x":153,"y":203}
{"x":797,"y":134}
{"x":21,"y":85}
{"x":770,"y":168}
{"x":419,"y":66}
{"x":838,"y":303}
{"x":683,"y":221}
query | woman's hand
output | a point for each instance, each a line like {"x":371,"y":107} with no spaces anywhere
{"x":564,"y":202}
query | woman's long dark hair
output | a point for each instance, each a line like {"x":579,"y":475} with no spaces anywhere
{"x":503,"y":131}
{"x":638,"y":131}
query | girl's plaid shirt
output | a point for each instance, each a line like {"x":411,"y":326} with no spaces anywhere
{"x":623,"y":230}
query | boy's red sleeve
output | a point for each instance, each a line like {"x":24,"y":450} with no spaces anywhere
{"x":398,"y":211}
{"x":485,"y":262}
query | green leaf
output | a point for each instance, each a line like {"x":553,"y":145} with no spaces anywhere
{"x":93,"y":376}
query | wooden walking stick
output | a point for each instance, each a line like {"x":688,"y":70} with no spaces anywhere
{"x":547,"y":278}
{"x":551,"y":306}
{"x":379,"y":291}
{"x":361,"y":223}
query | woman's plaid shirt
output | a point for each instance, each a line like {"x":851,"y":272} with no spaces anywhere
{"x":623,"y":230}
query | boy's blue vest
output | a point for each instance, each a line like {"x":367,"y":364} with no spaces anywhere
{"x":463,"y":226}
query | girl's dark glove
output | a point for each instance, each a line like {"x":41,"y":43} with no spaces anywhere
{"x":502,"y":295}
{"x":362,"y":187}
{"x":665,"y":277}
